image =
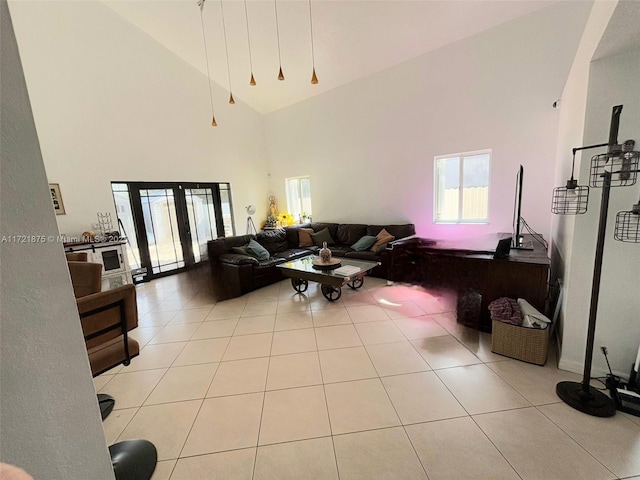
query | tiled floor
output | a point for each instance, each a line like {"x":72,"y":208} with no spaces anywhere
{"x":383,"y":384}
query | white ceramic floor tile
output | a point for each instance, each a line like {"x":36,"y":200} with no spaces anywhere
{"x":131,"y":389}
{"x":312,"y":459}
{"x":144,"y":334}
{"x":202,"y":351}
{"x":216,"y":329}
{"x":248,"y":346}
{"x":262,"y":308}
{"x":294,"y":414}
{"x":338,"y":336}
{"x":359,"y":405}
{"x":174,"y":333}
{"x":100,"y":381}
{"x":239,"y":376}
{"x":163,"y":470}
{"x":372,"y":333}
{"x":404,"y":309}
{"x":155,"y":318}
{"x":352,"y":298}
{"x":294,"y":341}
{"x":194,"y":315}
{"x":420,"y":327}
{"x":116,"y":422}
{"x":421,"y":397}
{"x":233,"y":465}
{"x":295,"y":370}
{"x":155,"y":356}
{"x":378,"y":454}
{"x":396,"y":358}
{"x":458,"y":449}
{"x":346,"y":364}
{"x":222,"y":312}
{"x":479,"y":390}
{"x":257,"y":324}
{"x":444,"y":352}
{"x":183,"y":383}
{"x":331,"y":316}
{"x":526,"y":436}
{"x":537,"y":384}
{"x":614,"y":441}
{"x":293,"y":321}
{"x":298,"y":303}
{"x":225,"y":423}
{"x":166,"y":426}
{"x":367,"y":313}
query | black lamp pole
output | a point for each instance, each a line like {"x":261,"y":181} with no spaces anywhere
{"x":583,"y":396}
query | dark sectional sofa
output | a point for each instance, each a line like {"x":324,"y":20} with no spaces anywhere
{"x":235,"y":274}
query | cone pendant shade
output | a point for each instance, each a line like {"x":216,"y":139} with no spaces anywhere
{"x":280,"y":74}
{"x":314,"y":78}
{"x":213,"y":122}
{"x":252,"y":82}
{"x":231,"y":100}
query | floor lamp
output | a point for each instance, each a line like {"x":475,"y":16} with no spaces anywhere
{"x":251,"y":227}
{"x":616,"y":168}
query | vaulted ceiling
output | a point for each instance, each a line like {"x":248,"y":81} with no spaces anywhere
{"x":351,"y":39}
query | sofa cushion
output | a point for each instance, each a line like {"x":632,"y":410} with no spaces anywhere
{"x":237,"y":259}
{"x":398,"y":231}
{"x":340,"y":250}
{"x":382,"y":239}
{"x":332,"y":227}
{"x":322,"y":236}
{"x":350,"y":233}
{"x":363,"y":255}
{"x":258,"y":251}
{"x":273,"y":240}
{"x":230,"y":242}
{"x":292,"y":254}
{"x":364,"y":243}
{"x":304,"y":234}
{"x":241,"y":250}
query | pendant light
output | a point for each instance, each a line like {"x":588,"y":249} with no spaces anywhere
{"x":573,"y":198}
{"x":252,"y":81}
{"x":627,"y":227}
{"x":314,"y":78}
{"x":280,"y":74}
{"x":206,"y":56}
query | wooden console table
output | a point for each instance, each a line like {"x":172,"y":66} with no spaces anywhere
{"x":468,"y":266}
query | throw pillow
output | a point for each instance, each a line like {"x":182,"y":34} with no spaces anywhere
{"x":322,"y":236}
{"x":364,"y":243}
{"x":257,"y":250}
{"x":304,"y":234}
{"x":382,"y":239}
{"x":241,"y":250}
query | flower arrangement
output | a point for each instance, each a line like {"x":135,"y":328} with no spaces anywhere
{"x":285,"y":219}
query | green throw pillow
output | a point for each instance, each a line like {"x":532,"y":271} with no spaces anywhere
{"x":322,"y":236}
{"x":241,"y":250}
{"x":364,"y":243}
{"x":256,"y":250}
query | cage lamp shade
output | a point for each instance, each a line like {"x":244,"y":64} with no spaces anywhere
{"x":571,"y":199}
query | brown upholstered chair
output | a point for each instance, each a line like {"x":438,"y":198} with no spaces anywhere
{"x":86,"y":278}
{"x":106,"y":319}
{"x":77,"y":257}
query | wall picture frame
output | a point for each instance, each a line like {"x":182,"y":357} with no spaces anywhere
{"x":56,"y":198}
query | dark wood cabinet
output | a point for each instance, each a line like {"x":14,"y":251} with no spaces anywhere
{"x":470,"y":269}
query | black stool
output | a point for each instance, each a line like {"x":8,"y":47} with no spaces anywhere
{"x":133,"y":459}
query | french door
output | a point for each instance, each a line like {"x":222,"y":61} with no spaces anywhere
{"x":171,"y":222}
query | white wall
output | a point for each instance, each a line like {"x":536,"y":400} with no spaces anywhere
{"x":110,"y":103}
{"x":369,"y":146}
{"x":49,"y":418}
{"x":612,"y":81}
{"x":572,"y":107}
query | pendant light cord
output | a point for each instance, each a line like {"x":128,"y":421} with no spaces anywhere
{"x":206,"y":55}
{"x":246,"y":17}
{"x":313,"y":55}
{"x":226,"y":48}
{"x":275,"y":5}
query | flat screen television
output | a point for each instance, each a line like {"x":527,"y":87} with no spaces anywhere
{"x":518,"y":242}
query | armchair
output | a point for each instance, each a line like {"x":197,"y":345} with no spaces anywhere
{"x":86,"y":277}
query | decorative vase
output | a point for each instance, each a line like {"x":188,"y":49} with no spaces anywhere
{"x":325,"y":253}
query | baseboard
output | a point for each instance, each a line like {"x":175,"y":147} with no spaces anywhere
{"x":577,"y":367}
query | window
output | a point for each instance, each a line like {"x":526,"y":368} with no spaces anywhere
{"x":461,"y":187}
{"x":298,"y":196}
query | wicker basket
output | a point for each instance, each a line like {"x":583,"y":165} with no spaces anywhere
{"x":522,"y":343}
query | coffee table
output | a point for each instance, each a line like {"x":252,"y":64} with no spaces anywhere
{"x":302,"y":271}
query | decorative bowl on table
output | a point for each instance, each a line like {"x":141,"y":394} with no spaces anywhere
{"x":330,"y":265}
